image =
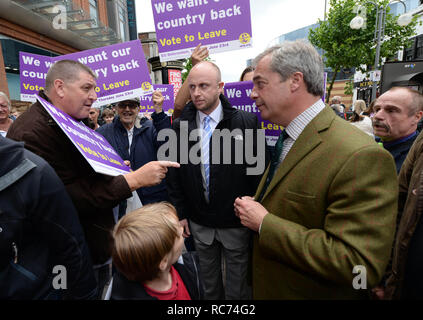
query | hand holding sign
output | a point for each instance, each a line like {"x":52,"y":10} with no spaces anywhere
{"x":199,"y":54}
{"x":158,"y":100}
{"x":149,"y":174}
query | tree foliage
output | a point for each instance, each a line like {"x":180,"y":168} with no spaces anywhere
{"x":347,"y":48}
{"x":188,"y":67}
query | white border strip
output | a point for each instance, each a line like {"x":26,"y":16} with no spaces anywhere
{"x":213,"y":48}
{"x":134,"y":93}
{"x":28,"y":97}
{"x":102,"y":168}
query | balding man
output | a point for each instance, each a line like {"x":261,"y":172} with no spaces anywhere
{"x":397,"y":113}
{"x":70,"y":87}
{"x":204,"y":193}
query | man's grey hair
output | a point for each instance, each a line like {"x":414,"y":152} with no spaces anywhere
{"x":416,"y":104}
{"x":66,"y":70}
{"x":2,"y":94}
{"x":297,"y":56}
{"x":336,"y":100}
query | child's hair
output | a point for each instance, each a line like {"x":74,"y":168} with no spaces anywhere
{"x":142,"y":239}
{"x":107,"y":113}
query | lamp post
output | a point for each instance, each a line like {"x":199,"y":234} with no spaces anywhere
{"x":358,"y":22}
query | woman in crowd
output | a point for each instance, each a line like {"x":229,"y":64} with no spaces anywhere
{"x":5,"y":120}
{"x":359,"y":120}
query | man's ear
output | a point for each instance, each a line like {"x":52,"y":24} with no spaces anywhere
{"x":221,"y":84}
{"x":59,"y":87}
{"x":418,"y":116}
{"x":296,"y":81}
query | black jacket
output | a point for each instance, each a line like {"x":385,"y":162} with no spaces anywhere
{"x":39,"y":229}
{"x":143,"y":149}
{"x":227,"y":181}
{"x":123,"y":289}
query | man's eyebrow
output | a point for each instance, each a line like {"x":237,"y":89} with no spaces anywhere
{"x":391,"y":106}
{"x":257,"y":77}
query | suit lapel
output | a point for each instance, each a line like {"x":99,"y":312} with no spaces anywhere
{"x":308,"y":140}
{"x":192,"y":125}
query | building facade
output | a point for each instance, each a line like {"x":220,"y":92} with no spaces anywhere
{"x":54,"y":28}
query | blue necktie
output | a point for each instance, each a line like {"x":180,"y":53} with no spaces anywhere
{"x":205,"y":147}
{"x":275,"y":162}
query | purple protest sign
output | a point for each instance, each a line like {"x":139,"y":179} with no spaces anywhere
{"x":169,"y":100}
{"x":324,"y":91}
{"x":238,"y":94}
{"x":219,"y":25}
{"x":92,"y":145}
{"x":121,"y":69}
{"x":33,"y":70}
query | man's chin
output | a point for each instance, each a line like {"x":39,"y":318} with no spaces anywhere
{"x":265,"y":115}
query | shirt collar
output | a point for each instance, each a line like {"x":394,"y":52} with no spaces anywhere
{"x":296,"y":126}
{"x":215,"y":116}
{"x":130,"y":131}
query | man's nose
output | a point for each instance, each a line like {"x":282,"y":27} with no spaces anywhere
{"x":253,"y":94}
{"x":92,"y":95}
{"x":378,"y":115}
{"x":196,"y":91}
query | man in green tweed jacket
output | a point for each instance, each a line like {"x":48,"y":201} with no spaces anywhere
{"x":328,"y":201}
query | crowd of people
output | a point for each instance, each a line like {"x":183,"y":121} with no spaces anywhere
{"x":338,"y":193}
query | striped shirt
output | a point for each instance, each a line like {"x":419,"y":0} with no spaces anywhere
{"x":296,"y":126}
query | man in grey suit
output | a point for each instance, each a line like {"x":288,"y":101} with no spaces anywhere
{"x":204,"y":191}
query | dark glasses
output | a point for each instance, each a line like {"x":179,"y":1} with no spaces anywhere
{"x":129,"y":105}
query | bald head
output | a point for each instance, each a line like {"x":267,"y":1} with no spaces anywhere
{"x":397,"y":113}
{"x":205,"y":86}
{"x":208,"y":67}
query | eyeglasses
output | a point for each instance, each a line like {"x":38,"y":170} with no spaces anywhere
{"x":129,"y":105}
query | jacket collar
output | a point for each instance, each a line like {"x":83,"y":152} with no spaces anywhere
{"x":306,"y":142}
